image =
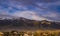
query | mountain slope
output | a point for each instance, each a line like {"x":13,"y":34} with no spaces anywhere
{"x":23,"y":23}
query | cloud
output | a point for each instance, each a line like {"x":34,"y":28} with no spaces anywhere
{"x":40,"y":1}
{"x":33,"y":2}
{"x":4,"y":12}
{"x":22,"y":4}
{"x":29,"y":14}
{"x":46,"y":9}
{"x":52,"y":16}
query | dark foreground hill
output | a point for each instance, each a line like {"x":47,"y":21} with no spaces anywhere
{"x":23,"y":23}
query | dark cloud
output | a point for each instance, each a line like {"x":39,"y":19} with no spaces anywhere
{"x":27,"y":2}
{"x":33,"y":2}
{"x":39,"y":1}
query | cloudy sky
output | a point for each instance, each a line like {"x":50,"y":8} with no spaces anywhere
{"x":31,"y":9}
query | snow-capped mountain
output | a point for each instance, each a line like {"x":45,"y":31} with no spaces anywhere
{"x":7,"y":17}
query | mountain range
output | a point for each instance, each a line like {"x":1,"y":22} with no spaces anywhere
{"x":23,"y":23}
